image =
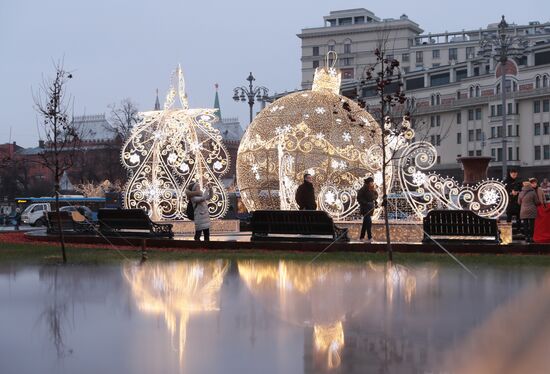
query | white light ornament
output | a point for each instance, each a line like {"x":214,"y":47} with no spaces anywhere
{"x":167,"y":151}
{"x":318,"y":132}
{"x":425,"y":191}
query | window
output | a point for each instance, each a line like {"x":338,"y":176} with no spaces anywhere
{"x":461,"y":74}
{"x":438,"y":160}
{"x":315,"y":64}
{"x":435,"y":53}
{"x":470,"y":52}
{"x":459,"y":118}
{"x":493,"y":132}
{"x":405,"y":57}
{"x":499,"y":110}
{"x":478,"y":152}
{"x":517,"y":130}
{"x":517,"y":108}
{"x":470,"y":135}
{"x":546,"y":128}
{"x":499,"y":154}
{"x":432,"y":121}
{"x":478,"y":134}
{"x":459,"y":138}
{"x":537,"y":81}
{"x":537,"y":152}
{"x":331,"y":47}
{"x":536,"y":106}
{"x":470,"y":153}
{"x":509,"y":130}
{"x":438,"y":140}
{"x":517,"y":153}
{"x":510,"y":110}
{"x":545,"y":81}
{"x":453,"y":54}
{"x":470,"y":114}
{"x":537,"y":129}
{"x":458,"y":95}
{"x":492,"y":110}
{"x":493,"y":152}
{"x":476,"y":71}
{"x":478,"y":91}
{"x":510,"y":156}
{"x":472,"y":91}
{"x":478,"y":113}
{"x":546,"y":105}
{"x":546,"y":151}
{"x":315,"y":51}
{"x":438,"y":121}
{"x":360,"y":19}
{"x":419,"y":57}
{"x":347,"y":61}
{"x":344,"y":21}
{"x":347,"y":46}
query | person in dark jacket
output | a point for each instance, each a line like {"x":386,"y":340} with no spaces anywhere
{"x":305,"y":194}
{"x":513,"y":187}
{"x":367,"y":197}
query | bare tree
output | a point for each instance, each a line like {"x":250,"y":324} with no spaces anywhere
{"x":61,"y":136}
{"x":124,"y":117}
{"x":392,"y":113}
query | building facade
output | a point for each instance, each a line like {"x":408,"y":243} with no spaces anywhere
{"x":452,"y":90}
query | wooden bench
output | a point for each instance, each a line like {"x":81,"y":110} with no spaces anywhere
{"x":459,"y":225}
{"x":68,"y":224}
{"x":295,"y":222}
{"x":134,"y":222}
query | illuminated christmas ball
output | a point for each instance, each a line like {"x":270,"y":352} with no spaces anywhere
{"x":318,"y":132}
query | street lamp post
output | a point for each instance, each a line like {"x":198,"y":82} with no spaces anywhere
{"x":501,"y":48}
{"x":251,"y":93}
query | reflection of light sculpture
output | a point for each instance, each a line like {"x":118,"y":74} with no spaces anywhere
{"x":175,"y":291}
{"x":329,"y":339}
{"x":319,"y":132}
{"x":168,"y":150}
{"x":304,"y":294}
{"x":423,"y":190}
{"x":403,"y":280}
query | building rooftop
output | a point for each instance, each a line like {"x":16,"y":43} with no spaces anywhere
{"x":94,"y":128}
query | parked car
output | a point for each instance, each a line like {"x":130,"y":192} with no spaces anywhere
{"x":84,"y":210}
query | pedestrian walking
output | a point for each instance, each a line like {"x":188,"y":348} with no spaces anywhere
{"x":201,"y":218}
{"x":367,"y":197}
{"x":305,"y":194}
{"x":528,"y":201}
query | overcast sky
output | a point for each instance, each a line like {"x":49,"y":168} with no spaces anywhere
{"x":128,"y":48}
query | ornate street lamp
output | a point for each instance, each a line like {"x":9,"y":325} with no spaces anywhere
{"x":259,"y":93}
{"x":502,"y":47}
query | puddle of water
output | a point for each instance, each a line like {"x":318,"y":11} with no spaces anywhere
{"x":273,"y":317}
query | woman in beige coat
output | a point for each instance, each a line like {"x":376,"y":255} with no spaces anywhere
{"x":199,"y":200}
{"x":528,"y":200}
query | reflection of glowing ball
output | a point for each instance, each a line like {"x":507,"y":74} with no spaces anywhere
{"x":316,"y":132}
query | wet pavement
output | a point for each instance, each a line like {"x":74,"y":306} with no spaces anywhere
{"x":273,"y":317}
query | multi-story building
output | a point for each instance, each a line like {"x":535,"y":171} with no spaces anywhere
{"x":454,"y":90}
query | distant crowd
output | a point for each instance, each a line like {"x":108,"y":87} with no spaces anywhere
{"x":529,"y":206}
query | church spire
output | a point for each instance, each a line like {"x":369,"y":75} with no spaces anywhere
{"x":157,"y":102}
{"x":217,"y":103}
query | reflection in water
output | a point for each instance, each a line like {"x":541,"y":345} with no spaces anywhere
{"x":329,"y":339}
{"x":306,"y":295}
{"x":330,"y":317}
{"x":514,"y":339}
{"x":175,"y":291}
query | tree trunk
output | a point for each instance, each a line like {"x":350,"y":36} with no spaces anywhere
{"x":61,"y":236}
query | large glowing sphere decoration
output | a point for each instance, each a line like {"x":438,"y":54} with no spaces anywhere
{"x":168,"y":150}
{"x":318,"y":132}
